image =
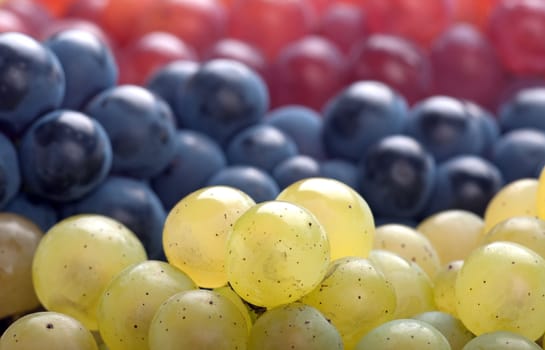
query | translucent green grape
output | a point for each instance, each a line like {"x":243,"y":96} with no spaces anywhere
{"x":355,"y":296}
{"x":198,"y":319}
{"x":501,"y":340}
{"x":525,"y":230}
{"x":277,"y":252}
{"x":413,"y":287}
{"x":444,"y":283}
{"x":294,"y":326}
{"x":230,"y":294}
{"x":132,"y":298}
{"x":453,"y":233}
{"x":196,"y":230}
{"x":345,"y":215}
{"x":500,"y":287}
{"x":451,"y":327}
{"x":47,"y":331}
{"x":406,"y":334}
{"x":76,"y":260}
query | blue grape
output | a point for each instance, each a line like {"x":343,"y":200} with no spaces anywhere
{"x":10,"y":175}
{"x":341,"y":170}
{"x":88,"y":64}
{"x":524,"y":110}
{"x":31,"y":82}
{"x":520,"y":153}
{"x":197,"y":158}
{"x":359,"y":116}
{"x":303,"y":125}
{"x":396,"y":177}
{"x":131,"y":202}
{"x":141,"y":128}
{"x":64,"y":155}
{"x":263,"y":146}
{"x":294,"y":169}
{"x":445,"y":128}
{"x":221,"y":98}
{"x":489,"y":127}
{"x":256,"y":183}
{"x":37,"y":210}
{"x":464,"y":182}
{"x":169,"y":81}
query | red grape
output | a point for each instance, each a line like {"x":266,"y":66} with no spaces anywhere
{"x":10,"y":22}
{"x":121,"y":18}
{"x":90,"y":10}
{"x":465,"y":65}
{"x":144,"y":56}
{"x":394,"y":61}
{"x":320,"y":6}
{"x":33,"y":15}
{"x":239,"y":51}
{"x":74,"y":23}
{"x":474,"y":12}
{"x":344,"y":25}
{"x":516,"y":84}
{"x":56,"y":7}
{"x":517,"y":30}
{"x":270,"y":25}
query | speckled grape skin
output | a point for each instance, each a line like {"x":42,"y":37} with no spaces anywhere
{"x":501,"y":340}
{"x":444,"y":284}
{"x":451,"y":327}
{"x":525,"y":230}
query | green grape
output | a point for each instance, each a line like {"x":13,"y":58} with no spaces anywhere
{"x":451,"y":327}
{"x":500,"y":287}
{"x":519,"y":198}
{"x":76,"y":260}
{"x":540,"y":197}
{"x":132,"y":298}
{"x":525,"y":230}
{"x":453,"y":233}
{"x":294,"y":326}
{"x":47,"y":331}
{"x":277,"y":252}
{"x":501,"y":340}
{"x":409,"y":244}
{"x":406,"y":334}
{"x":230,"y":294}
{"x":413,"y":287}
{"x":198,"y":319}
{"x":355,"y":296}
{"x":19,"y":238}
{"x":444,"y":287}
{"x":196,"y":230}
{"x":344,"y":214}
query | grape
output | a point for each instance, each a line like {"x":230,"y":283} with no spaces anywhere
{"x":355,"y":296}
{"x":344,"y":25}
{"x":277,"y":252}
{"x":10,"y":173}
{"x":34,"y":15}
{"x":413,"y":287}
{"x":501,"y":340}
{"x":240,"y":51}
{"x":409,"y":244}
{"x":500,"y":288}
{"x":131,"y":299}
{"x":453,"y":233}
{"x":540,"y":203}
{"x":19,"y":238}
{"x":407,"y":334}
{"x":344,"y":214}
{"x":56,"y":7}
{"x":10,"y":22}
{"x":39,"y":211}
{"x":518,"y":198}
{"x":256,"y":183}
{"x":229,"y":293}
{"x":524,"y":230}
{"x":198,"y":319}
{"x":47,"y":331}
{"x":340,"y":170}
{"x":294,"y":169}
{"x":294,"y":326}
{"x":444,"y":284}
{"x":196,"y":230}
{"x":76,"y":260}
{"x":523,"y":108}
{"x":452,"y":328}
{"x":474,"y":12}
{"x":120,"y":18}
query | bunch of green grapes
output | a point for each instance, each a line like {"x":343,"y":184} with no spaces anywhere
{"x":76,"y":260}
{"x":413,"y":287}
{"x":345,"y":215}
{"x":501,"y":340}
{"x":198,"y":319}
{"x":196,"y":231}
{"x":500,"y":287}
{"x":406,"y":334}
{"x":19,"y":238}
{"x":294,"y":326}
{"x":230,"y":294}
{"x":132,"y":298}
{"x":519,"y":198}
{"x":444,"y":285}
{"x":277,"y":252}
{"x":453,"y":233}
{"x":410,"y":245}
{"x":47,"y":331}
{"x":452,"y":328}
{"x":355,"y":296}
{"x":525,"y":230}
